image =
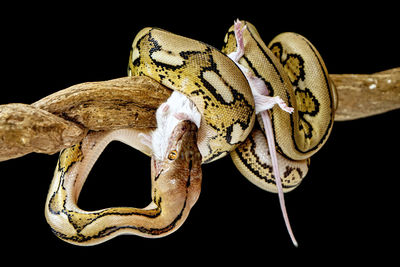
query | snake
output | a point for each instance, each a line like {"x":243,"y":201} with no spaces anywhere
{"x":172,"y":198}
{"x":289,"y":69}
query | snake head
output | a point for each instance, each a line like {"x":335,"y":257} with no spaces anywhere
{"x":181,"y":166}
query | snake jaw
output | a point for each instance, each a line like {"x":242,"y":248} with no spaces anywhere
{"x":177,"y":108}
{"x":181,"y":175}
{"x":174,"y":143}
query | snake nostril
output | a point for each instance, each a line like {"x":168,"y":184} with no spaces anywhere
{"x":189,"y":155}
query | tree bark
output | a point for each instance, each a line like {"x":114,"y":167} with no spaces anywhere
{"x":364,"y":95}
{"x":63,"y":118}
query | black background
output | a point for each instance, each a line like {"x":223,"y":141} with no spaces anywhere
{"x":346,"y":208}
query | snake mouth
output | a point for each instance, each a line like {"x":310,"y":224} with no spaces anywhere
{"x":182,"y":143}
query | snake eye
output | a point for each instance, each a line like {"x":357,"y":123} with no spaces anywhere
{"x":172,"y":155}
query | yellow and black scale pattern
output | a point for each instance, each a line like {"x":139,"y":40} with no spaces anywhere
{"x":255,"y":168}
{"x":307,"y":104}
{"x":197,"y":70}
{"x":57,"y":205}
{"x":222,"y":95}
{"x":292,"y":69}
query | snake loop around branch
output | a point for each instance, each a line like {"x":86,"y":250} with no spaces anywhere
{"x":200,"y":72}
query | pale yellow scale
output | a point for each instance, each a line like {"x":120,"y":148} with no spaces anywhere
{"x":207,"y":77}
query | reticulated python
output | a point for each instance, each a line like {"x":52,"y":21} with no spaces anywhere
{"x":220,"y":88}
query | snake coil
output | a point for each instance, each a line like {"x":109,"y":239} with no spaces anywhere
{"x":290,"y":68}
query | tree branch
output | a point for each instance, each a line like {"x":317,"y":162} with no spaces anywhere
{"x":63,"y":118}
{"x":363,"y":95}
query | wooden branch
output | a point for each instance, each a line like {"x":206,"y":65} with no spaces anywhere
{"x":25,"y":129}
{"x":63,"y":118}
{"x":114,"y":104}
{"x":363,"y":95}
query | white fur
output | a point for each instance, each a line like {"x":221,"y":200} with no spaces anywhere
{"x":177,"y":108}
{"x":257,"y":85}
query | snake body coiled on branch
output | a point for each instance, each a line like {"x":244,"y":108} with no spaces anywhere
{"x":289,"y":72}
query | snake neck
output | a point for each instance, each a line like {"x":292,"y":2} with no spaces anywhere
{"x":175,"y":189}
{"x":177,"y":178}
